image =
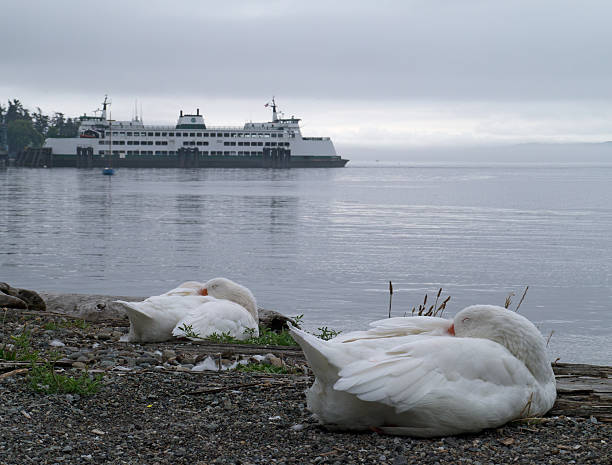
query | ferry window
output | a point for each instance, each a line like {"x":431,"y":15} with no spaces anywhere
{"x":233,"y":143}
{"x":100,"y":152}
{"x":136,"y":152}
{"x":101,"y":142}
{"x":273,"y":144}
{"x":192,"y":143}
{"x":260,"y":144}
{"x":164,"y":134}
{"x":129,"y":142}
{"x":205,"y":152}
{"x":136,"y":142}
{"x":115,"y":142}
{"x":226,"y":152}
{"x":279,"y":135}
{"x":233,"y":134}
{"x":192,"y":134}
{"x":172,"y":152}
{"x":171,"y":134}
{"x":185,"y":134}
{"x":150,"y":133}
{"x":115,"y":133}
{"x":225,"y":143}
{"x":122,"y":133}
{"x":157,"y":134}
{"x":129,"y":133}
{"x":185,"y":143}
{"x":240,"y":144}
{"x":198,"y":143}
{"x":226,"y":134}
{"x":199,"y":134}
{"x":273,"y":135}
{"x":267,"y":144}
{"x":205,"y":142}
{"x":164,"y":142}
{"x":157,"y":142}
{"x":121,"y":142}
{"x":205,"y":134}
{"x":178,"y":134}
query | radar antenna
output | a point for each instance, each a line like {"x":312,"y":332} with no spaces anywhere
{"x":273,"y":105}
{"x":105,"y":104}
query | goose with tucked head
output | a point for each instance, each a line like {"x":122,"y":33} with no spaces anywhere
{"x":424,"y":377}
{"x":233,"y":311}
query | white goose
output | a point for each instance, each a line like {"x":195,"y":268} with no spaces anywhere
{"x":233,"y":311}
{"x":157,"y":318}
{"x":424,"y":377}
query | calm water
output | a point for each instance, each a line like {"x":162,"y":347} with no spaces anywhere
{"x":325,"y":242}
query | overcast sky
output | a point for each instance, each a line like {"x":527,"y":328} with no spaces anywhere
{"x":392,"y":73}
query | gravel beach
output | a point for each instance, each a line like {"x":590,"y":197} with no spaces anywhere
{"x":153,"y":408}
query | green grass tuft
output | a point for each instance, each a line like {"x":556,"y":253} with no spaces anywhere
{"x":43,"y":378}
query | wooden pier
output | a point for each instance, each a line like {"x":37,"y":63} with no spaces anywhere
{"x":41,"y":157}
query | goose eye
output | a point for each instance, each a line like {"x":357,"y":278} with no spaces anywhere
{"x":465,"y":319}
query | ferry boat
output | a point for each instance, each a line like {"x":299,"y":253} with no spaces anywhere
{"x":192,"y":143}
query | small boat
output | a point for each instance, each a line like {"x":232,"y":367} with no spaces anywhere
{"x":108,"y":171}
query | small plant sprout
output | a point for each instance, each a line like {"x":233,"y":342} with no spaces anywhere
{"x":326,"y":334}
{"x":189,"y":332}
{"x":298,"y":319}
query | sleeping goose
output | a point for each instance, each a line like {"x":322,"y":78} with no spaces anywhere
{"x":425,"y":377}
{"x":160,"y":318}
{"x":233,"y":311}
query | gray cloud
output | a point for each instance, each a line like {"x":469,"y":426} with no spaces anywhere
{"x":382,"y":50}
{"x":398,"y":72}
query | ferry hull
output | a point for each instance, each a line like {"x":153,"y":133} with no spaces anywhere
{"x":172,"y":161}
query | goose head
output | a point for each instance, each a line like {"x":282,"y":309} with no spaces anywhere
{"x":223,"y":288}
{"x":515,"y":332}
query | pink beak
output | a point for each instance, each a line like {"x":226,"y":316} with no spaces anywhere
{"x":451,"y":330}
{"x":203,"y":291}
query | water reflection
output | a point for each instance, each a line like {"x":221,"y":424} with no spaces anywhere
{"x":325,"y":242}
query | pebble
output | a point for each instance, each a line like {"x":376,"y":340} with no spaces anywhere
{"x":151,"y":417}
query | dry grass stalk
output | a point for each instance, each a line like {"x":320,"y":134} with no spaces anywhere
{"x":433,"y":310}
{"x":390,"y":297}
{"x":522,"y":298}
{"x":509,"y":300}
{"x":549,"y":337}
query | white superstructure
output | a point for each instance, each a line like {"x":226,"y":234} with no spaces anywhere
{"x":133,"y":138}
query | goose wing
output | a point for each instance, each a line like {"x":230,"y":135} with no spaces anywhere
{"x":219,"y":316}
{"x":475,"y":375}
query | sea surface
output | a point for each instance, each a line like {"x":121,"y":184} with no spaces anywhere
{"x":326,"y":242}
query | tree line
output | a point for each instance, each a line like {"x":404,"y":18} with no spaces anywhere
{"x":25,"y":128}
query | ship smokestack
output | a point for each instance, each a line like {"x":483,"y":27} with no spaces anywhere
{"x":197,"y":111}
{"x":181,"y":112}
